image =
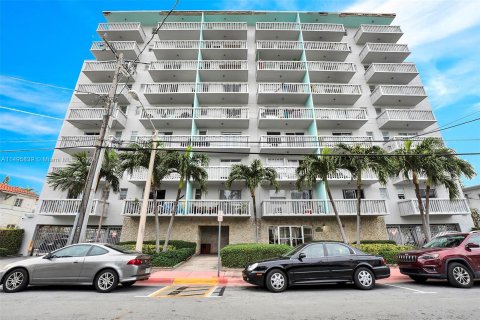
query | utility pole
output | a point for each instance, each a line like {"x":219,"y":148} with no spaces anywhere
{"x":81,"y":220}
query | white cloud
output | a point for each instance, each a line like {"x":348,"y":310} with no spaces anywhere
{"x":28,"y":125}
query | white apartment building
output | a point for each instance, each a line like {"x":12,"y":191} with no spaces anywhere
{"x":246,"y":85}
{"x":16,"y":204}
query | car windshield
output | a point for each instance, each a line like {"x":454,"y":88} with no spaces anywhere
{"x":293,"y":251}
{"x":119,"y":248}
{"x":445,"y":242}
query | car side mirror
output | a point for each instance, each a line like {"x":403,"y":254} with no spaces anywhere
{"x":302,"y":256}
{"x":48,"y":256}
{"x":471,"y":245}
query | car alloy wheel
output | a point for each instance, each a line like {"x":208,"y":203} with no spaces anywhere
{"x":364,"y":278}
{"x":106,"y":281}
{"x":16,"y":280}
{"x":459,"y":275}
{"x":276,"y":281}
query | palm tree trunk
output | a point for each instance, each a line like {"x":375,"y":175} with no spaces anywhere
{"x":104,"y":204}
{"x":339,"y":222}
{"x":255,"y":221}
{"x":427,"y":212}
{"x":359,"y":203}
{"x":170,"y":225}
{"x":426,"y":228}
{"x":157,"y":223}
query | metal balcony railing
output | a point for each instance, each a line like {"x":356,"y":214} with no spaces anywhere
{"x":78,"y":141}
{"x":223,"y":65}
{"x":294,"y":88}
{"x":224,"y":26}
{"x":398,"y":142}
{"x":327,"y":88}
{"x":332,"y":27}
{"x":280,"y":45}
{"x":99,"y":66}
{"x":173,"y":65}
{"x":140,"y":174}
{"x":224,"y":44}
{"x":231,"y":208}
{"x":383,"y":47}
{"x":277,"y":26}
{"x":380,"y":28}
{"x":230,"y":112}
{"x":170,"y":113}
{"x":224,"y":87}
{"x":117,"y":45}
{"x":288,"y":141}
{"x":390,"y":68}
{"x":331,"y":66}
{"x":327,"y":46}
{"x":91,"y":113}
{"x":173,"y":87}
{"x":340,"y":114}
{"x":404,"y":115}
{"x":68,"y":207}
{"x":281,"y":65}
{"x":119,"y":26}
{"x":332,"y":141}
{"x":397,"y":90}
{"x":279,"y":112}
{"x":437,"y":207}
{"x":181,"y":25}
{"x":176,"y":44}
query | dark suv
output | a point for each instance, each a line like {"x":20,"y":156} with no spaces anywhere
{"x":454,"y":256}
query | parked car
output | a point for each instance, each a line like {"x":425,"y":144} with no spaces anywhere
{"x":454,"y":256}
{"x":315,"y":263}
{"x":103,"y":265}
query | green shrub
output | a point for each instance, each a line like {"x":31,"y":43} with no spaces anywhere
{"x":178,"y":244}
{"x":475,"y":229}
{"x":3,"y":252}
{"x":239,"y":255}
{"x":147,"y":248}
{"x":171,"y":258}
{"x":388,"y":251}
{"x":377,"y":242}
{"x":11,"y":240}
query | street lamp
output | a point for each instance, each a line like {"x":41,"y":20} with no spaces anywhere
{"x":146,"y":193}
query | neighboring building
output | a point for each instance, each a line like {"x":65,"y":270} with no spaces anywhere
{"x":283,"y":84}
{"x":15,"y":204}
{"x":472,"y":194}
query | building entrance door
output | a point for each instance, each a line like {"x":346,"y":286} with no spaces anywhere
{"x":209,"y":239}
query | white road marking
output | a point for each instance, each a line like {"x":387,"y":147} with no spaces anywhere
{"x":414,"y":290}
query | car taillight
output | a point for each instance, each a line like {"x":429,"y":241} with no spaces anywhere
{"x":383,"y":261}
{"x":135,"y":262}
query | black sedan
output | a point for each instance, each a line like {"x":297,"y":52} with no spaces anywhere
{"x":315,"y":263}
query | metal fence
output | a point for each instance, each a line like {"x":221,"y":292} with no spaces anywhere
{"x":413,"y":235}
{"x":48,"y":238}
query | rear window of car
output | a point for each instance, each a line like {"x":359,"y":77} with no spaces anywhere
{"x":96,"y":251}
{"x":119,"y":248}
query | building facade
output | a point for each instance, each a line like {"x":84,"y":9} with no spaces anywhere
{"x":16,"y":204}
{"x":251,"y":85}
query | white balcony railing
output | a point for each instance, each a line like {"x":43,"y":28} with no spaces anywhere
{"x":173,"y":65}
{"x":176,"y":44}
{"x":390,"y":68}
{"x":221,"y":112}
{"x":331,"y":27}
{"x":170,"y":113}
{"x":99,"y":89}
{"x":340,"y":114}
{"x":99,"y":66}
{"x":327,"y":88}
{"x":288,"y":88}
{"x":393,"y":90}
{"x":384,"y":48}
{"x":224,"y":87}
{"x":92,"y":113}
{"x":331,"y":66}
{"x":201,"y":208}
{"x":332,"y":141}
{"x":437,"y":207}
{"x":181,"y":26}
{"x":345,"y":207}
{"x":119,"y":26}
{"x":326,"y":46}
{"x":140,"y":174}
{"x":281,"y":65}
{"x":78,"y":141}
{"x":277,"y":26}
{"x":68,"y":207}
{"x":172,"y":87}
{"x":404,"y":115}
{"x":224,"y":26}
{"x":287,"y":173}
{"x":223,"y":65}
{"x":218,"y":173}
{"x":284,"y":113}
{"x":117,"y":45}
{"x":288,"y":141}
{"x":398,"y":142}
{"x":280,"y":45}
{"x":197,"y":141}
{"x":224,"y":44}
{"x":380,"y":28}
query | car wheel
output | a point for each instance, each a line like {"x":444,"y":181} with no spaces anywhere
{"x":419,"y":279}
{"x":276,"y":281}
{"x":106,"y":281}
{"x":364,"y":278}
{"x":459,"y":275}
{"x":128,"y":283}
{"x":16,"y":280}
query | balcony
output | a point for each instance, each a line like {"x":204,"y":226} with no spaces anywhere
{"x":288,"y":71}
{"x":326,"y":51}
{"x":377,"y":34}
{"x":226,"y":70}
{"x":122,"y":31}
{"x":102,"y":52}
{"x":139,"y":176}
{"x":96,"y":94}
{"x":281,"y":117}
{"x":180,"y":31}
{"x":332,"y":32}
{"x":176,"y":49}
{"x":199,"y":142}
{"x":99,"y":71}
{"x":336,"y":72}
{"x":288,"y":143}
{"x":277,"y":31}
{"x":312,"y":208}
{"x":69,"y":207}
{"x":333,"y":118}
{"x":284,"y":93}
{"x":173,"y":70}
{"x":342,"y":177}
{"x":224,"y":92}
{"x":343,"y":94}
{"x":173,"y":92}
{"x":391,"y":95}
{"x":405,"y":119}
{"x":332,"y":141}
{"x":224,"y":49}
{"x":74,"y":144}
{"x":384,"y":53}
{"x":87,"y":118}
{"x":225,"y":30}
{"x":398,"y":142}
{"x":192,"y":208}
{"x":222,"y":117}
{"x":167,"y":117}
{"x":391,"y":73}
{"x":438,"y":207}
{"x":401,"y":180}
{"x":279,"y":50}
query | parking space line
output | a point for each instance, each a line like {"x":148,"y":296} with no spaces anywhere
{"x":156,"y":293}
{"x":401,"y":287}
{"x":209,"y":292}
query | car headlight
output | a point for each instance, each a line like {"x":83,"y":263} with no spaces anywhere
{"x":252,"y":267}
{"x":429,"y":256}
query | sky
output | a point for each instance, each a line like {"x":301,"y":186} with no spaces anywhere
{"x":47,"y":42}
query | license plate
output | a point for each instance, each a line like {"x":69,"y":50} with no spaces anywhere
{"x":148,"y":270}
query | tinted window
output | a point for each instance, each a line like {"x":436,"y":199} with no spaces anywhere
{"x":336,"y":249}
{"x":314,"y":251}
{"x":294,"y":251}
{"x":96,"y":251}
{"x":445,"y":242}
{"x":73,"y":251}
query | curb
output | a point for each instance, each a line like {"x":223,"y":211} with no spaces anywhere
{"x":197,"y":281}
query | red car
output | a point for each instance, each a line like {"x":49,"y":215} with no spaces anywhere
{"x":455,"y":256}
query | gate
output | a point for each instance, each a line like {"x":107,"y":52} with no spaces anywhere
{"x":413,"y":235}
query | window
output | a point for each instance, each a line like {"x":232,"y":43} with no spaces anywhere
{"x":378,"y":111}
{"x":96,"y":251}
{"x":370,"y":134}
{"x":352,"y":194}
{"x":314,"y":251}
{"x":341,"y":134}
{"x":18,"y":202}
{"x":275,"y":162}
{"x":290,"y":235}
{"x":73,"y":251}
{"x":297,"y":195}
{"x":230,"y":194}
{"x":475,"y":239}
{"x":383,"y":193}
{"x":423,"y":193}
{"x":118,"y":135}
{"x":198,"y":194}
{"x":336,"y":249}
{"x":400,"y":193}
{"x":160,"y":195}
{"x":386,"y":135}
{"x":123,"y":194}
{"x":134,"y":135}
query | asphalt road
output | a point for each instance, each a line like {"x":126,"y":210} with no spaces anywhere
{"x":387,"y":301}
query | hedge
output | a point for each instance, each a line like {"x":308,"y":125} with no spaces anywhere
{"x":11,"y":240}
{"x":377,"y":242}
{"x":239,"y":255}
{"x":171,"y":258}
{"x":388,"y":251}
{"x":178,"y":244}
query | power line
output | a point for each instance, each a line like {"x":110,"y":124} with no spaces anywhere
{"x":445,"y":128}
{"x":31,"y":113}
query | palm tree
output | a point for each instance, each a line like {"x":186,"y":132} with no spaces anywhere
{"x":139,"y":157}
{"x":438,"y":164}
{"x":313,"y":167}
{"x":73,"y":177}
{"x":253,"y":175}
{"x":358,"y":159}
{"x":190,"y":167}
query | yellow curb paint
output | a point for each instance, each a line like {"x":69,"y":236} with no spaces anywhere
{"x":156,"y":293}
{"x":208,"y":281}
